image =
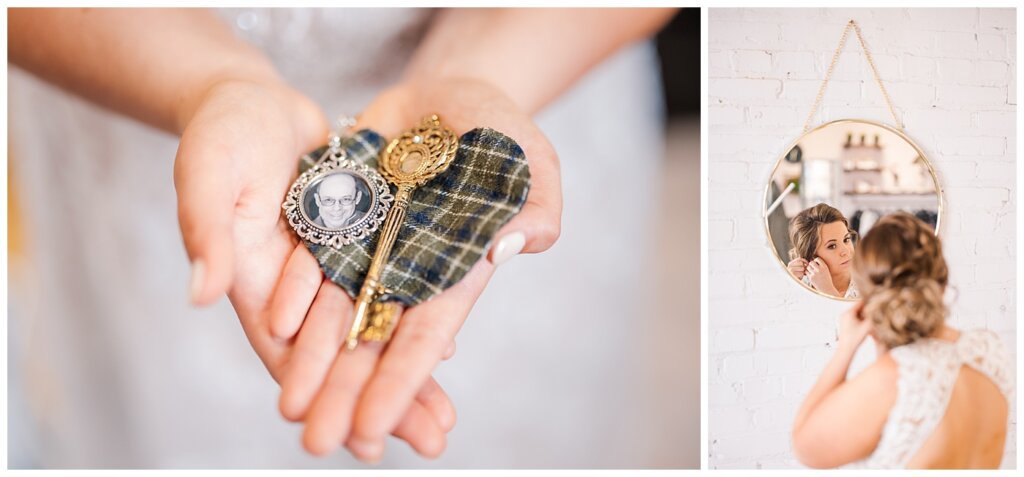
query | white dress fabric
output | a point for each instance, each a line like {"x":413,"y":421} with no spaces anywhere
{"x":111,"y":368}
{"x":851,"y":290}
{"x":928,"y":370}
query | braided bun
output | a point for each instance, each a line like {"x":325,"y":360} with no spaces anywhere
{"x":902,"y":315}
{"x":902,"y":276}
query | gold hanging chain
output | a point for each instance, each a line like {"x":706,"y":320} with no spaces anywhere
{"x":832,"y":66}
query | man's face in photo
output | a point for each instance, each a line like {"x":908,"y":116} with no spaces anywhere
{"x":337,"y":199}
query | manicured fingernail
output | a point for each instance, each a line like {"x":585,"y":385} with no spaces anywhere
{"x":507,"y":247}
{"x":367,"y":451}
{"x":195,"y":285}
{"x":447,"y":418}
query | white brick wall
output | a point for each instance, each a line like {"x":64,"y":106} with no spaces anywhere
{"x":950,"y":73}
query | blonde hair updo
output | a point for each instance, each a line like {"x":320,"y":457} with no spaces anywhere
{"x":902,"y":277}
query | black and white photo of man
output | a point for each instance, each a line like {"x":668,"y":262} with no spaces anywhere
{"x":336,"y":199}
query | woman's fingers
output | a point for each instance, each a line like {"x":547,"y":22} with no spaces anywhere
{"x":328,"y":407}
{"x":821,"y":265}
{"x":538,"y":225}
{"x":419,"y":342}
{"x":315,"y":349}
{"x":798,"y":267}
{"x":206,"y":214}
{"x":418,"y":428}
{"x":424,"y":426}
{"x":329,"y":420}
{"x":434,"y":399}
{"x":300,"y":281}
{"x":812,"y":267}
{"x":449,"y":352}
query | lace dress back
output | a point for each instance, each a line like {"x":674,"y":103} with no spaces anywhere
{"x":928,"y":371}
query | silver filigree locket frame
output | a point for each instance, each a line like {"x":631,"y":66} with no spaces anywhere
{"x":373,"y":207}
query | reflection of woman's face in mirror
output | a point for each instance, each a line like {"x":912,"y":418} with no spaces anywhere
{"x":828,"y":268}
{"x":823,"y":250}
{"x":835,"y":247}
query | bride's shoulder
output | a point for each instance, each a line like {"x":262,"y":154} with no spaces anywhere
{"x":883,"y":372}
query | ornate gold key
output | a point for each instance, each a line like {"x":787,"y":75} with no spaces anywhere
{"x":409,"y":161}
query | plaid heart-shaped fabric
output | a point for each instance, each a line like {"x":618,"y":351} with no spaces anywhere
{"x":450,"y":222}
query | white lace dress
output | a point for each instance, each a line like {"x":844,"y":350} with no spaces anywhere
{"x":851,"y":290}
{"x":111,"y":368}
{"x":928,"y":370}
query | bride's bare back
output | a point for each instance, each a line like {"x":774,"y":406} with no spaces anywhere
{"x":972,"y":433}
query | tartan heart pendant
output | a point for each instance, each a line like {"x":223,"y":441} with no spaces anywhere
{"x":450,"y":222}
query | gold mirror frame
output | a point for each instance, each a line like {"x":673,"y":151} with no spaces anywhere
{"x":782,"y":157}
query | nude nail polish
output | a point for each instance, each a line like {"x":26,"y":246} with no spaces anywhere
{"x":195,"y":285}
{"x":507,"y":247}
{"x":367,"y":451}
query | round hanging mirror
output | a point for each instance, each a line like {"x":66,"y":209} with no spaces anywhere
{"x":830,"y":186}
